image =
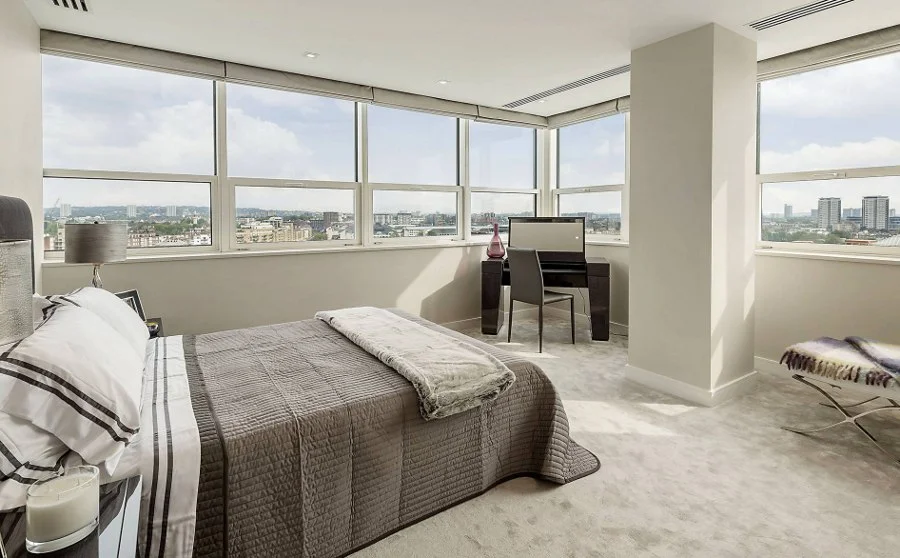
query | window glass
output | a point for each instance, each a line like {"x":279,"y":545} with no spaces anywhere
{"x":114,"y":118}
{"x":602,"y":211}
{"x":412,"y":214}
{"x":266,"y":215}
{"x":159,"y":214}
{"x":501,"y":156}
{"x":282,"y":134}
{"x":845,"y":116}
{"x":488,"y":208}
{"x":592,"y":153}
{"x":408,"y":147}
{"x":854,"y":211}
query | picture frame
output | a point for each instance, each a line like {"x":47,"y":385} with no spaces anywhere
{"x":133,"y":299}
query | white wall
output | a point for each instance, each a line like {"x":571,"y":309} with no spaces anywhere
{"x":799,"y":299}
{"x":202,"y":295}
{"x":693,"y":122}
{"x":20,"y":111}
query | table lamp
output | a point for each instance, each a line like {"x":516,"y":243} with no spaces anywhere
{"x":96,"y":243}
{"x":15,"y":290}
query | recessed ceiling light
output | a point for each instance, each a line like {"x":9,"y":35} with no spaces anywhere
{"x":542,"y":101}
{"x":443,"y":81}
{"x":311,"y":55}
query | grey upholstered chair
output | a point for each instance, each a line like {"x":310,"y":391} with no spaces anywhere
{"x":526,"y":284}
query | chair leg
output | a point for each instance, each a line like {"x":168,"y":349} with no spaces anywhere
{"x":541,"y":328}
{"x":572,"y":315}
{"x":509,"y":327}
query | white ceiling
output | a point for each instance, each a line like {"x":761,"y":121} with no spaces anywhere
{"x":492,"y":51}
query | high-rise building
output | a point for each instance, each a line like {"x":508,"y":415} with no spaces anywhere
{"x":788,"y":211}
{"x":330,"y":217}
{"x":172,"y":211}
{"x":875,"y":212}
{"x":384,"y":219}
{"x":404,"y":218}
{"x":65,"y":210}
{"x":131,"y":211}
{"x":814,"y":214}
{"x":829,"y":214}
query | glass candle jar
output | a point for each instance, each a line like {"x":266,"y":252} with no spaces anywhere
{"x":62,"y":510}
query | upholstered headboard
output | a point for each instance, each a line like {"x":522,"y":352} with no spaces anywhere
{"x":16,"y":224}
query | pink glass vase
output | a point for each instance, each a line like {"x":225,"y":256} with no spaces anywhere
{"x":495,"y":248}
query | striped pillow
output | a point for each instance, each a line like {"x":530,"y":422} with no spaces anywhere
{"x":27,"y":454}
{"x":76,"y":378}
{"x":114,"y":311}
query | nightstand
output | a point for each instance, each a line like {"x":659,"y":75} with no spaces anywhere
{"x":155,"y":327}
{"x":115,"y":537}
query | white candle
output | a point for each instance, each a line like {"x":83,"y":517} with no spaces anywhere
{"x":62,"y":505}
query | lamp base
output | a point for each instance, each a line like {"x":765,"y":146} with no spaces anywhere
{"x":96,"y":282}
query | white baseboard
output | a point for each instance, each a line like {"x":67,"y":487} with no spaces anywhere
{"x":584,"y":321}
{"x":581,"y":320}
{"x":768,"y":366}
{"x":692,"y":393}
{"x":475,"y":322}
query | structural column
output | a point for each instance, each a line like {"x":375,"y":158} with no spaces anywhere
{"x":693,"y":214}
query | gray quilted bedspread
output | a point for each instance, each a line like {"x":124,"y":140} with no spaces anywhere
{"x":311,"y":447}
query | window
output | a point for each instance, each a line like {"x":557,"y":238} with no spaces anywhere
{"x":602,"y":212}
{"x":194,"y":163}
{"x":282,"y":134}
{"x":501,"y":156}
{"x":113,"y":118}
{"x":591,"y":174}
{"x":488,"y":208}
{"x":829,"y":157}
{"x":129,"y":145}
{"x":275,"y":215}
{"x":158,"y":214}
{"x":407,"y":147}
{"x":854,"y":212}
{"x":846,"y":116}
{"x":592,"y":153}
{"x":410,"y":214}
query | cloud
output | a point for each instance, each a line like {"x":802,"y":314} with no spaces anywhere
{"x":866,"y":87}
{"x":876,"y":152}
{"x":170,"y":139}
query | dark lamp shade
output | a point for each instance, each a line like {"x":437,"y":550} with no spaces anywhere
{"x":16,"y":320}
{"x":95,"y":243}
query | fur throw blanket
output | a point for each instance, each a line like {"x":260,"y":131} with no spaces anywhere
{"x":853,"y":359}
{"x":450,"y":376}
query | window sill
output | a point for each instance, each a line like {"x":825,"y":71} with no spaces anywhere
{"x":830,"y":256}
{"x":618,"y":243}
{"x":272,"y":253}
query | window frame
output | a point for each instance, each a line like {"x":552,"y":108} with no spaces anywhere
{"x":222,"y":186}
{"x":535,"y":192}
{"x":462,"y":134}
{"x":816,"y":175}
{"x":556,"y":191}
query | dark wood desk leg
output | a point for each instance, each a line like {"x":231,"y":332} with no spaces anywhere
{"x":491,"y":297}
{"x":598,"y":293}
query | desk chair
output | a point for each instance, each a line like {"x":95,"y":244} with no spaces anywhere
{"x":526,"y":284}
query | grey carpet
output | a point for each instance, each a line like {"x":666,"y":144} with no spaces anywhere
{"x":678,"y":480}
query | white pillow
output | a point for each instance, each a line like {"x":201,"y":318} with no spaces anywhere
{"x":39,"y":305}
{"x":78,"y":379}
{"x":114,"y":312}
{"x":27,"y":454}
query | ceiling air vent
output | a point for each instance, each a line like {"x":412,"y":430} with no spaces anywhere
{"x":74,"y":5}
{"x":575,"y":84}
{"x":796,"y":13}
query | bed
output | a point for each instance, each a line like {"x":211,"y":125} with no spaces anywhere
{"x":291,"y":440}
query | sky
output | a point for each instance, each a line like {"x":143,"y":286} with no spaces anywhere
{"x":840,"y":117}
{"x":139,"y":120}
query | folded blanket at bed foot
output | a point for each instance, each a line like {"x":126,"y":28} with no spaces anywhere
{"x":853,"y":359}
{"x":450,"y":376}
